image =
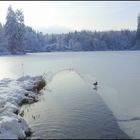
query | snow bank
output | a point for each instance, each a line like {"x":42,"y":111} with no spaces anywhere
{"x":14,"y":93}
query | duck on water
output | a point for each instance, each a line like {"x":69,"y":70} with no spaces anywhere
{"x":95,"y":85}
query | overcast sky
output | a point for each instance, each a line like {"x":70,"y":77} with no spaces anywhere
{"x":72,"y":15}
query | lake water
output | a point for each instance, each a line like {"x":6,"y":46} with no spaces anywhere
{"x":70,"y":107}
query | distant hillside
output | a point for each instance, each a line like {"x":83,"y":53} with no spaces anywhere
{"x":54,"y":29}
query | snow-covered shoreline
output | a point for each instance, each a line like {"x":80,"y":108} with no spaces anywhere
{"x":14,"y":93}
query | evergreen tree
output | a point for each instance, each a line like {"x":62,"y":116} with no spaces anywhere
{"x":3,"y":41}
{"x":138,"y":28}
{"x":136,"y":42}
{"x":20,"y":30}
{"x":1,"y":33}
{"x":14,"y":30}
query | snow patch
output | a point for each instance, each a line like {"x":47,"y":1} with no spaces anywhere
{"x":14,"y":93}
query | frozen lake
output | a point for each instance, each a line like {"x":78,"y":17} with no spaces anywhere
{"x":115,"y":104}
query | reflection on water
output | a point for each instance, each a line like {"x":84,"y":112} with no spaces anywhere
{"x":71,"y":110}
{"x":118,"y":74}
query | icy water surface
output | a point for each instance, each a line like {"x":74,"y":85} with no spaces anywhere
{"x":117,"y":72}
{"x":71,"y":109}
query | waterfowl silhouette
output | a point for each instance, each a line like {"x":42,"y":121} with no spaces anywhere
{"x":95,"y":84}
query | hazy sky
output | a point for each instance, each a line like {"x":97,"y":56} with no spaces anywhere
{"x":71,"y":15}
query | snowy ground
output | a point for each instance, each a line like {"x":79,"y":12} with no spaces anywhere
{"x":14,"y":93}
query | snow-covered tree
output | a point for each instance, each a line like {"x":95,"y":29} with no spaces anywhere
{"x":136,"y":43}
{"x":14,"y":30}
{"x":138,"y":28}
{"x":93,"y":41}
{"x":3,"y":41}
{"x":20,"y":36}
{"x":1,"y":33}
{"x":20,"y":30}
{"x":10,"y":28}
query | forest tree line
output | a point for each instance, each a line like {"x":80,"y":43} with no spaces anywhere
{"x":17,"y":38}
